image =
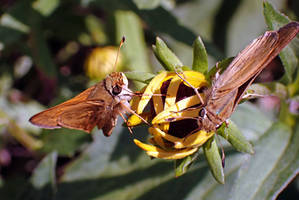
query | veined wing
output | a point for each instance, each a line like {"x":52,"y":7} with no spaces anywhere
{"x":253,"y":59}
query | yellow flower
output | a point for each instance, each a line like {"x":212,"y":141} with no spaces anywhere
{"x":173,"y":113}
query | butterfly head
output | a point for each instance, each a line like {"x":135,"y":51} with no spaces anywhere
{"x":116,"y":84}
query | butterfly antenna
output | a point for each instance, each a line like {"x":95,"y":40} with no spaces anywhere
{"x":195,"y":90}
{"x":120,"y":44}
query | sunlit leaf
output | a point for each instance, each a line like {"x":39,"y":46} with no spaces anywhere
{"x":259,"y":169}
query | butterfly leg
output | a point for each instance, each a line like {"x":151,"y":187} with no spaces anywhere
{"x":134,"y":113}
{"x":126,"y":121}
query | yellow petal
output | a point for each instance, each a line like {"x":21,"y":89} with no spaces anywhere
{"x":151,"y":89}
{"x":172,"y":91}
{"x":136,"y":99}
{"x":196,"y":79}
{"x":172,"y":111}
{"x":171,"y":138}
{"x":160,"y":153}
{"x":135,"y":120}
{"x":157,"y":101}
{"x":194,"y":140}
{"x":158,"y":140}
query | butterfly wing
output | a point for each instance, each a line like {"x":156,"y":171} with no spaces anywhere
{"x":248,"y":64}
{"x":83,"y":112}
{"x":82,"y":116}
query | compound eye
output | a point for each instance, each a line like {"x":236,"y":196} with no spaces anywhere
{"x":202,"y":112}
{"x":116,"y":90}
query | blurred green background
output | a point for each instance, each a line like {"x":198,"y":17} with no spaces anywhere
{"x":44,"y":45}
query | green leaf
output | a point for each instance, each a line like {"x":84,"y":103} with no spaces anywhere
{"x":96,"y":29}
{"x":43,"y":180}
{"x":41,"y":53}
{"x":200,"y":57}
{"x":213,"y":157}
{"x":64,"y":141}
{"x":23,"y":16}
{"x":143,"y":77}
{"x":44,"y":174}
{"x":45,"y":7}
{"x":285,"y":170}
{"x":182,"y":165}
{"x":94,"y":159}
{"x":252,"y":127}
{"x":259,"y":170}
{"x":233,"y":135}
{"x":161,"y":20}
{"x":166,"y":57}
{"x":147,"y":4}
{"x":129,"y":25}
{"x":275,"y":20}
{"x":206,"y":187}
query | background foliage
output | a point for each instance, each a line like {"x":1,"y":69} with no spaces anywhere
{"x":43,"y":47}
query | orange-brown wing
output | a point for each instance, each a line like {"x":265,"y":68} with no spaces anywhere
{"x":49,"y":117}
{"x":84,"y":115}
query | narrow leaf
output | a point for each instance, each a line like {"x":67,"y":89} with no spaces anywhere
{"x":166,"y":57}
{"x":213,"y":157}
{"x":129,"y":25}
{"x":234,"y":136}
{"x":200,"y":57}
